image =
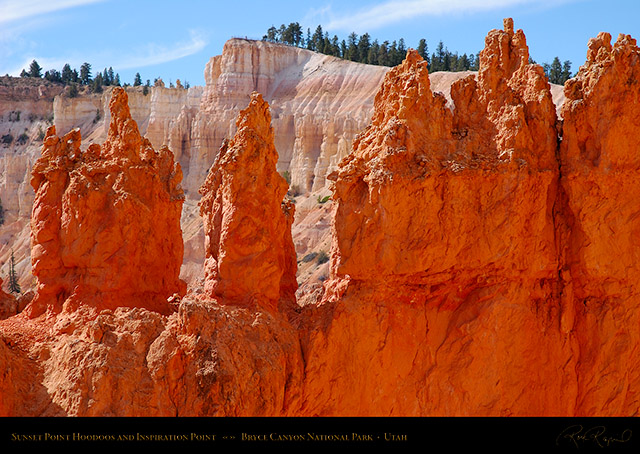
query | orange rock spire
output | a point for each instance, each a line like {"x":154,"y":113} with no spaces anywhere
{"x":105,"y":226}
{"x":250,"y":257}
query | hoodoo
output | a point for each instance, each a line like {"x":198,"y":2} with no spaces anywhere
{"x":600,"y":244}
{"x":105,"y":227}
{"x":444,"y":254}
{"x":250,"y":257}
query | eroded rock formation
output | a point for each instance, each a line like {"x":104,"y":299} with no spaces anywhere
{"x":444,"y":247}
{"x":478,"y":266}
{"x":8,"y":304}
{"x":229,"y":355}
{"x":250,"y":257}
{"x":600,"y":166}
{"x":106,"y":221}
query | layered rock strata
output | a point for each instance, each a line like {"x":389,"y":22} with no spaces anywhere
{"x":105,"y":226}
{"x":318,"y":104}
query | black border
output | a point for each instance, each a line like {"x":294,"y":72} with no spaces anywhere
{"x":426,"y":434}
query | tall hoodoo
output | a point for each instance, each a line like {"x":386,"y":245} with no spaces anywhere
{"x":600,"y":175}
{"x":443,"y":240}
{"x":250,"y":257}
{"x":105,"y":226}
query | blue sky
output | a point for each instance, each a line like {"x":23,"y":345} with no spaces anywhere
{"x":174,"y":40}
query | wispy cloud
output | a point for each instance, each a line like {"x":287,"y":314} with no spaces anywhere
{"x":394,"y":11}
{"x":14,"y":10}
{"x":154,"y":54}
{"x":143,"y":56}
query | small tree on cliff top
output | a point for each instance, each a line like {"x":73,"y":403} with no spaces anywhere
{"x":35,"y":70}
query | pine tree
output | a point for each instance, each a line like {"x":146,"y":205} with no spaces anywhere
{"x":335,"y":46}
{"x":423,"y":49}
{"x":474,"y":62}
{"x":271,"y":35}
{"x":383,"y":54}
{"x":67,"y":74}
{"x":14,"y":287}
{"x":566,"y":71}
{"x":287,"y":34}
{"x":463,"y":63}
{"x":394,"y":56}
{"x":327,"y":45}
{"x":317,"y":40}
{"x":363,"y":48}
{"x":53,"y":75}
{"x":137,"y":81}
{"x":35,"y":70}
{"x":372,"y":57}
{"x":402,"y":50}
{"x":85,"y":74}
{"x":555,"y":72}
{"x":96,"y":87}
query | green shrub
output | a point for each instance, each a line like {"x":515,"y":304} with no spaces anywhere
{"x":22,"y":138}
{"x":309,"y":257}
{"x":323,"y":257}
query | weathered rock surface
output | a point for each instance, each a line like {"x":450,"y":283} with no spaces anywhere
{"x":509,"y":244}
{"x":212,"y":356}
{"x":250,"y":257}
{"x":106,"y":221}
{"x":318,"y":104}
{"x":8,"y":304}
{"x":482,"y":263}
{"x":443,"y":226}
{"x":600,"y":167}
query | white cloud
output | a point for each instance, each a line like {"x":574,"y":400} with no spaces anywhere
{"x":154,"y":54}
{"x":148,"y":55}
{"x":394,"y":11}
{"x":14,"y":10}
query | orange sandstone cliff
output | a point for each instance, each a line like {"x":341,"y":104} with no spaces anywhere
{"x":482,"y":263}
{"x":600,"y":243}
{"x":480,"y":268}
{"x":444,"y":254}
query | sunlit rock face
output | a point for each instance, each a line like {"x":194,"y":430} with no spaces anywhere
{"x":105,"y":225}
{"x":250,"y":257}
